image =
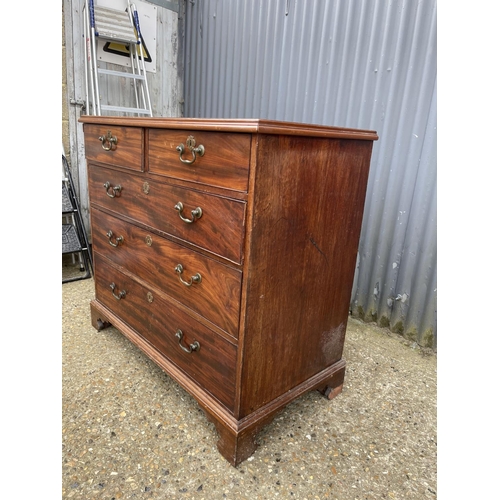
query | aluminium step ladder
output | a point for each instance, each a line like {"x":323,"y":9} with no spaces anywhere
{"x":103,"y":23}
{"x":74,"y":236}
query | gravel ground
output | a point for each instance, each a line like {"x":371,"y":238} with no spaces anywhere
{"x":130,"y":432}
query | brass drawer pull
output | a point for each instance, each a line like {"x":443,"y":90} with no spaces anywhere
{"x":196,"y":213}
{"x":116,"y":190}
{"x":118,"y":240}
{"x":195,"y":346}
{"x":107,"y":141}
{"x":194,"y":279}
{"x":120,"y":295}
{"x":190,"y":143}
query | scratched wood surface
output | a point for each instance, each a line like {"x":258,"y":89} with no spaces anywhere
{"x":216,"y":296}
{"x":219,"y":230}
{"x":308,"y":206}
{"x":212,"y":367}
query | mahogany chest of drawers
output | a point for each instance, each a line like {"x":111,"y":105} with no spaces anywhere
{"x":225,"y":250}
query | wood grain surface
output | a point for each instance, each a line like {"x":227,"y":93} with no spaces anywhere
{"x":219,"y":230}
{"x":216,"y":297}
{"x":127,"y":153}
{"x":225,"y":162}
{"x":307,"y":212}
{"x":213,"y":367}
{"x":276,"y":248}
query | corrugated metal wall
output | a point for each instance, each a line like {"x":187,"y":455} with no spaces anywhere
{"x":355,"y":63}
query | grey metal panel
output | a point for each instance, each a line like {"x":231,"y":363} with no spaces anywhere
{"x":359,"y":63}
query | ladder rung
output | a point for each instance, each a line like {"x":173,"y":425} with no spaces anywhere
{"x":112,"y":37}
{"x":125,"y":109}
{"x":112,"y":72}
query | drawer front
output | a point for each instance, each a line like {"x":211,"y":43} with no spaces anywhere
{"x":219,"y":229}
{"x":206,"y":286}
{"x":212,"y":366}
{"x":225,"y":162}
{"x":126,"y":152}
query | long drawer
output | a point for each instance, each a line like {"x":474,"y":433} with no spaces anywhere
{"x":208,"y":287}
{"x":207,"y":221}
{"x":202,"y":354}
{"x":224,"y":163}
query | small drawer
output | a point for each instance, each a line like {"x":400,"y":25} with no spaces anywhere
{"x":207,"y":221}
{"x":204,"y":285}
{"x":205,"y":356}
{"x":118,"y":146}
{"x":224,"y":163}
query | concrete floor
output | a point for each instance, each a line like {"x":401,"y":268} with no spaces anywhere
{"x":130,"y":432}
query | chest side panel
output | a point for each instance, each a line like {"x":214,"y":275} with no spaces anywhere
{"x":308,"y":202}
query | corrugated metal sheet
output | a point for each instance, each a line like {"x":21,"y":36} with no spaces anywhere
{"x":360,"y":63}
